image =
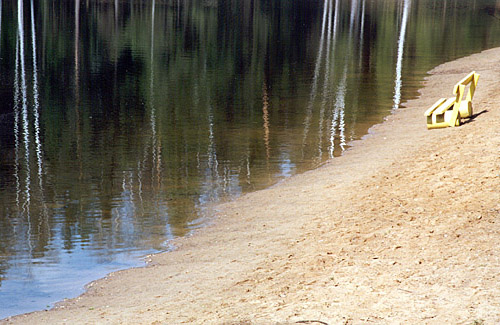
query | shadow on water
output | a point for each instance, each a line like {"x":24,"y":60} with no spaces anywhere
{"x":124,"y":122}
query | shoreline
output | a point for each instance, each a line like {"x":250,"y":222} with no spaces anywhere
{"x":401,"y":228}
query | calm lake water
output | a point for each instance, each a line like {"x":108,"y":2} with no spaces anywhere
{"x":123,"y":122}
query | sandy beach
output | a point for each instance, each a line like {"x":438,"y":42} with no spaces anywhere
{"x":403,"y":228}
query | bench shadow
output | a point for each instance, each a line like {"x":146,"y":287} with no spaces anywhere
{"x":473,"y":117}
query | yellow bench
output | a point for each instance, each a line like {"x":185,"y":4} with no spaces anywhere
{"x":448,"y":112}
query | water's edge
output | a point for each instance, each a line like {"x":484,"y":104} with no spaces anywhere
{"x":213,"y":216}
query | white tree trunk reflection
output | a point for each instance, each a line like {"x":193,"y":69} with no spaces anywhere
{"x":17,"y":94}
{"x":36,"y":101}
{"x":329,"y":70}
{"x":399,"y":61}
{"x":24,"y":110}
{"x":319,"y":58}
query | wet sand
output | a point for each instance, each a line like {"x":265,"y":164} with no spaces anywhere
{"x":403,"y":228}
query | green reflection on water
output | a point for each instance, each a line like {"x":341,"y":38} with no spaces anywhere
{"x":121,"y":122}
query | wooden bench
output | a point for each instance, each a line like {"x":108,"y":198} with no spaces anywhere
{"x":449,"y":111}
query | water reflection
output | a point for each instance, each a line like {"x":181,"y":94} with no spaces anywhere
{"x":122,"y":122}
{"x":0,"y":26}
{"x":399,"y":61}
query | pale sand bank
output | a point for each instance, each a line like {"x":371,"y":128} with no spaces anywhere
{"x":404,"y":228}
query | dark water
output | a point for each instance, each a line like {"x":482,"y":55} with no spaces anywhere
{"x":122,"y":122}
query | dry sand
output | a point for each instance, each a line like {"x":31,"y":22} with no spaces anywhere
{"x":404,"y":228}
